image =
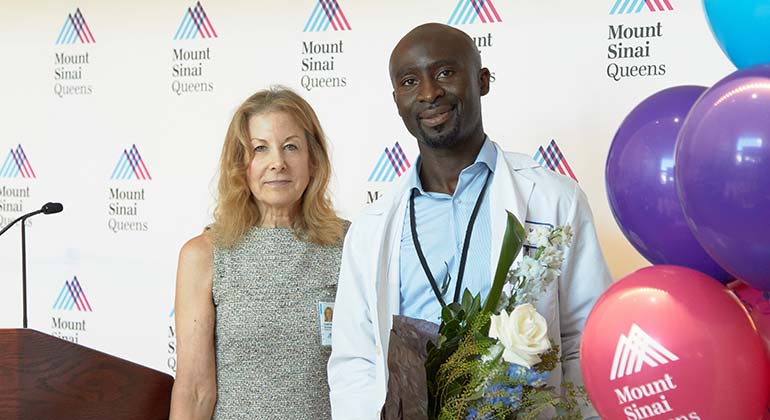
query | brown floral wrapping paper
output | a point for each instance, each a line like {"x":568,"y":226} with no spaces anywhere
{"x":407,"y":397}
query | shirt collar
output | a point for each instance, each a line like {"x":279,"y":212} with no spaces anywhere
{"x":487,"y":156}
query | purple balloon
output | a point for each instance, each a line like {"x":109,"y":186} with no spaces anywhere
{"x":640,"y":182}
{"x":723,"y":164}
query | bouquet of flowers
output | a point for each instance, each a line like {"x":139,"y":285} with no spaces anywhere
{"x":487,"y":360}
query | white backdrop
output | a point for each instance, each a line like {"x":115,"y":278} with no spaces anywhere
{"x":78,"y":109}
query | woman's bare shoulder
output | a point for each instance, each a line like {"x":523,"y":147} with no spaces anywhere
{"x":198,"y":252}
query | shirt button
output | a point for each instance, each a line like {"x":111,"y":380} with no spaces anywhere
{"x":378,"y":351}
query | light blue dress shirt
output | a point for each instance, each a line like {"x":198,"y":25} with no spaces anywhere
{"x":441,"y":221}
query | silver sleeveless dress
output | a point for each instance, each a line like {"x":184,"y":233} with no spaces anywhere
{"x":270,"y":362}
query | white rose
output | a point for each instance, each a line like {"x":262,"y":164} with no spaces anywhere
{"x":523,"y":334}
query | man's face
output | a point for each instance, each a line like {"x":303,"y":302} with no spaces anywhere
{"x":437,"y":87}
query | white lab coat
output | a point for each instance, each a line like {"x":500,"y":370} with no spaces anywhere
{"x":368,"y":290}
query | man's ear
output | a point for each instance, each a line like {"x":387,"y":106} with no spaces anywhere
{"x":484,"y":76}
{"x":394,"y":101}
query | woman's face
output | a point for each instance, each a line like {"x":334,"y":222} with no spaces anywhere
{"x":279,"y":172}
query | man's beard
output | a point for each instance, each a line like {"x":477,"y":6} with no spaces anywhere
{"x":446,"y":136}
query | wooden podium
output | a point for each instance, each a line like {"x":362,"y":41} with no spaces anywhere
{"x":43,"y":377}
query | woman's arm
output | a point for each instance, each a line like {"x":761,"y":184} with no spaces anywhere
{"x":195,"y":388}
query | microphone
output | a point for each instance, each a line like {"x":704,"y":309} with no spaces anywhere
{"x":51,"y":208}
{"x":48,"y":208}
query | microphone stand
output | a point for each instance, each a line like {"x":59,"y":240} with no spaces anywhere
{"x":24,"y":271}
{"x":23,"y":219}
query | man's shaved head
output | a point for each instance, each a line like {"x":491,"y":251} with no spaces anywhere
{"x":438,"y":83}
{"x":437,"y":32}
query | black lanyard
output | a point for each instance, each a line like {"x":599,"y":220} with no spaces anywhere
{"x":466,"y":244}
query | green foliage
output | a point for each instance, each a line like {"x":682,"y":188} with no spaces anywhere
{"x":462,"y":375}
{"x":513,"y":241}
{"x":461,"y":324}
{"x":467,"y":324}
{"x":464,"y":362}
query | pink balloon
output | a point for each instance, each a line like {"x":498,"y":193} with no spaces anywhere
{"x":671,"y":343}
{"x":757,"y":303}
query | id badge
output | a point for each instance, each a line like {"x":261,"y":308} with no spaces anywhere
{"x":325,"y":316}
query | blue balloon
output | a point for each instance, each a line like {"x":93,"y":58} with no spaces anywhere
{"x":742,"y":28}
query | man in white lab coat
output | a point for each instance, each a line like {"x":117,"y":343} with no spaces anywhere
{"x":445,"y":219}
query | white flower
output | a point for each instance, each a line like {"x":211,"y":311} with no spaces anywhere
{"x":523,"y":334}
{"x":551,"y":274}
{"x":530,"y":268}
{"x":508,"y":289}
{"x":538,"y":235}
{"x":492,"y":353}
{"x":505,"y":296}
{"x":551,"y":257}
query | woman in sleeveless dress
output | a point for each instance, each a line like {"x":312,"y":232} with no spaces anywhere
{"x":255,"y":292}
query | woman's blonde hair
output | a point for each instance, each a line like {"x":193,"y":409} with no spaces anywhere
{"x":237,"y":209}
